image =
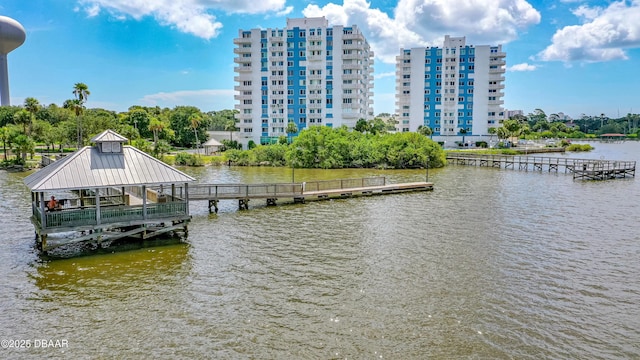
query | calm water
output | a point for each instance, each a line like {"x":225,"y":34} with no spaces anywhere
{"x":493,"y":264}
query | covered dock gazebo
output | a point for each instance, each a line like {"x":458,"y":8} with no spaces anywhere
{"x":106,"y":192}
{"x":212,"y":146}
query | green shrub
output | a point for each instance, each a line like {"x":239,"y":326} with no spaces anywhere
{"x":579,"y":147}
{"x":183,"y":158}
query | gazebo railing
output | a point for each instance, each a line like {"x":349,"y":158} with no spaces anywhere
{"x":78,"y":217}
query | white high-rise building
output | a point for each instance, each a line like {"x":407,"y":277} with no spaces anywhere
{"x":456,"y":89}
{"x":307,"y":73}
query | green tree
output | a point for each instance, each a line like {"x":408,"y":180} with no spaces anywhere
{"x":377,"y":126}
{"x":362,"y":126}
{"x":425,"y":130}
{"x":23,"y":144}
{"x":194,"y":121}
{"x":25,"y":119}
{"x":7,"y":113}
{"x":139,"y":118}
{"x":292,"y":129}
{"x":179,"y":119}
{"x":81,"y":93}
{"x":220,"y":119}
{"x":4,"y":136}
{"x":463,"y":132}
{"x":32,"y":105}
{"x":159,"y":127}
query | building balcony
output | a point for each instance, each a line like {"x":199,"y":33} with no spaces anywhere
{"x":242,"y":50}
{"x":351,"y":56}
{"x":352,"y":46}
{"x":242,"y":69}
{"x":315,"y":47}
{"x":239,"y":41}
{"x":241,"y":88}
{"x":500,"y":54}
{"x":314,"y":37}
{"x":241,"y":60}
{"x":242,"y":97}
{"x":353,"y":36}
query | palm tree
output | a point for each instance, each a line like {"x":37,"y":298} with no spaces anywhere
{"x":81,"y":92}
{"x":463,"y":131}
{"x":24,"y":118}
{"x":4,"y":135}
{"x":230,"y":126}
{"x":292,"y":128}
{"x":492,"y":131}
{"x":159,"y":126}
{"x":32,"y":105}
{"x":503,"y":133}
{"x":195,"y":120}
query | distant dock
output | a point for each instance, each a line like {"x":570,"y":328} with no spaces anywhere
{"x":299,"y":192}
{"x":582,"y":169}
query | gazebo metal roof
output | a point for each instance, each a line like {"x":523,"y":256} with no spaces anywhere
{"x":109,"y":135}
{"x":212,"y":142}
{"x":89,"y":168}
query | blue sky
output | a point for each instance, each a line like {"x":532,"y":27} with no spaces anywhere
{"x":569,"y":56}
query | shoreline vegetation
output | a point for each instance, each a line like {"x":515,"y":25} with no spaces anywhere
{"x":327,"y":148}
{"x":164,"y":133}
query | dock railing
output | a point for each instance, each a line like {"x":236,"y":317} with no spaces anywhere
{"x":284,"y":190}
{"x":344,"y":183}
{"x":239,"y":191}
{"x":109,"y":214}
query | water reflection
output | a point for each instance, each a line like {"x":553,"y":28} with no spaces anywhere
{"x":83,"y":280}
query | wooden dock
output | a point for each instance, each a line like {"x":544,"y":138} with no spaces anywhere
{"x":587,"y":169}
{"x":299,"y":192}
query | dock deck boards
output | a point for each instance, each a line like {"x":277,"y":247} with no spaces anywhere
{"x":297,"y":192}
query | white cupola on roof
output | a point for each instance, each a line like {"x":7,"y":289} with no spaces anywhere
{"x":109,"y":142}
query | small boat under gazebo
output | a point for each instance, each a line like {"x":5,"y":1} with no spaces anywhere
{"x":106,"y":192}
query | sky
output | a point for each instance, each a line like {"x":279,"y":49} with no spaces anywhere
{"x":571,"y":56}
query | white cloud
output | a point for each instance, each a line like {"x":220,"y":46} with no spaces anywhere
{"x":203,"y":99}
{"x":188,"y":16}
{"x":522,"y":67}
{"x":425,"y":22}
{"x":604,"y":35}
{"x":384,"y":75}
{"x":285,"y":11}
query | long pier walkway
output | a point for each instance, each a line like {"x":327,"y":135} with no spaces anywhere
{"x":587,"y":169}
{"x":299,"y":192}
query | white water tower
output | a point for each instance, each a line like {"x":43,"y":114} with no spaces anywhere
{"x":12,"y":35}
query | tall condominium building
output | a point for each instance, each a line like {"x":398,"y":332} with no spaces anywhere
{"x":456,"y":89}
{"x":308,"y":73}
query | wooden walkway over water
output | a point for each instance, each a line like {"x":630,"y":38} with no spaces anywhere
{"x":586,"y":169}
{"x":299,"y":192}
